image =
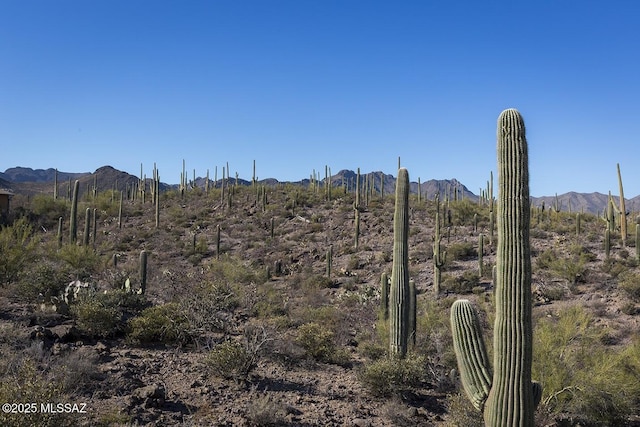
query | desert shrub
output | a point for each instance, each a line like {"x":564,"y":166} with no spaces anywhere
{"x":582,"y":379}
{"x":392,"y":376}
{"x":43,"y":278}
{"x":235,"y":360}
{"x":96,"y":316}
{"x":630,"y":308}
{"x":22,"y":383}
{"x":434,"y":341}
{"x":270,"y":302}
{"x":46,"y":211}
{"x":76,"y":371}
{"x":81,"y":261}
{"x":461,"y":251}
{"x":329,"y":316}
{"x":314,"y":282}
{"x":165,"y":323}
{"x":109,"y":202}
{"x":550,"y":292}
{"x":614,"y":267}
{"x":572,"y":268}
{"x":231,"y":360}
{"x":234,"y":271}
{"x":208,"y":307}
{"x":461,"y":284}
{"x":629,"y":282}
{"x":318,"y":343}
{"x":461,"y":413}
{"x":17,"y":250}
{"x":264,"y":411}
{"x":464,"y":211}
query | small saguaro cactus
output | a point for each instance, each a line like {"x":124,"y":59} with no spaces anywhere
{"x":143,"y":272}
{"x":384,"y":295}
{"x":399,"y":293}
{"x":439,"y":257}
{"x":73,"y":220}
{"x":481,"y":255}
{"x":87,"y":227}
{"x":507,"y":397}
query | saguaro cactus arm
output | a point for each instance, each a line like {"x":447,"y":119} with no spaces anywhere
{"x":473,"y":362}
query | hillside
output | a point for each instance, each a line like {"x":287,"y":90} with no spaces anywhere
{"x":29,"y":181}
{"x":252,"y":329}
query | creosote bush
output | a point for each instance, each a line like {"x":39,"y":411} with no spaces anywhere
{"x":629,"y":282}
{"x":318,"y":342}
{"x":584,"y":381}
{"x":391,"y":376}
{"x":95,"y":317}
{"x":464,"y":283}
{"x":231,"y":360}
{"x":17,"y":250}
{"x":165,"y":324}
{"x":461,"y":251}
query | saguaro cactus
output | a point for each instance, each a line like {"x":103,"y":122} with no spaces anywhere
{"x":623,"y":210}
{"x":384,"y":295}
{"x":73,"y":219}
{"x":399,"y":291}
{"x":507,"y":397}
{"x":439,"y":257}
{"x":143,"y":271}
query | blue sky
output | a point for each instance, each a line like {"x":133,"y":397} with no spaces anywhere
{"x":299,"y":84}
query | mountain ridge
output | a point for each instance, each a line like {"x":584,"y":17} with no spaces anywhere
{"x":25,"y":180}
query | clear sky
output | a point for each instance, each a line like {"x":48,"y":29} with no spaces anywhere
{"x":299,"y":84}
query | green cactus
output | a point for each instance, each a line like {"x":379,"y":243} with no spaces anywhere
{"x":120,"y":211}
{"x":87,"y":227}
{"x":399,"y":291}
{"x":218,"y":241}
{"x":481,"y":255}
{"x":475,"y":372}
{"x":73,"y":221}
{"x":59,"y":232}
{"x":356,"y":242}
{"x":413,"y":312}
{"x":492,"y":226}
{"x":384,"y":295}
{"x":156,"y":185}
{"x":507,"y":397}
{"x":143,"y":271}
{"x":439,"y":257}
{"x":329,"y":258}
{"x":623,"y":211}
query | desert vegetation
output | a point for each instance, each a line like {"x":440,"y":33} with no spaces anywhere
{"x":279,"y":304}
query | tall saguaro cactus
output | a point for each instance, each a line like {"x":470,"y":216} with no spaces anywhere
{"x":623,"y":210}
{"x":507,"y":397}
{"x":73,"y":219}
{"x":399,"y":291}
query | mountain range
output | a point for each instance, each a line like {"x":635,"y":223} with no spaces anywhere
{"x":24,"y":180}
